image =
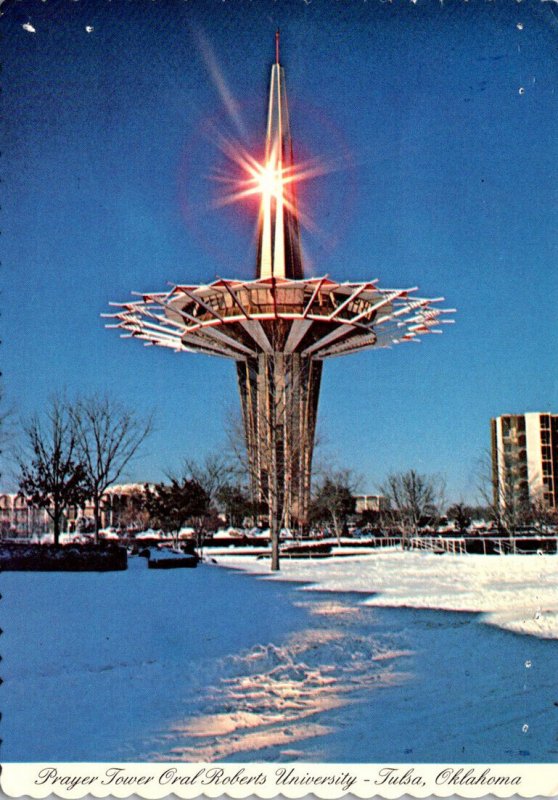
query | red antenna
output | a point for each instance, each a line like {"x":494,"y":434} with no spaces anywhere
{"x":277,"y":46}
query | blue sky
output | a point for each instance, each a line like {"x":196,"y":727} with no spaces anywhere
{"x":442,"y":118}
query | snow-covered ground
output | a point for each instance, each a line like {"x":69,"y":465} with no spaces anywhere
{"x":518,"y":593}
{"x":216,"y":664}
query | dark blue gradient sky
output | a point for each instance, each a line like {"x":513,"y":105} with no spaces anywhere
{"x":441,"y":119}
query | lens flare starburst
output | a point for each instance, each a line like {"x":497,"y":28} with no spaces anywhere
{"x":245,"y":176}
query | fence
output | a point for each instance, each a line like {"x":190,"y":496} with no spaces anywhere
{"x":435,"y":544}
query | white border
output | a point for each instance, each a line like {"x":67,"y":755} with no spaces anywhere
{"x":73,"y":780}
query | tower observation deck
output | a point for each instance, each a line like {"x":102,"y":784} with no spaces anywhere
{"x":279,"y":328}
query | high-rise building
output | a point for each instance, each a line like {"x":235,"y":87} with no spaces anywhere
{"x":279,"y":327}
{"x":525,"y":460}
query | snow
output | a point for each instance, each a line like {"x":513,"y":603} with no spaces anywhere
{"x":109,"y":534}
{"x":169,"y":555}
{"x":227,"y":533}
{"x":515,"y":592}
{"x":219,"y":664}
{"x":149,"y":534}
{"x":96,"y":665}
{"x":65,"y":538}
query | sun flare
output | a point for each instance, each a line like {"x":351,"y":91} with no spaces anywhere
{"x":246,"y":176}
{"x":269,"y":180}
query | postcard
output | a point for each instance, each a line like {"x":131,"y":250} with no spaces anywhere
{"x":279,"y":510}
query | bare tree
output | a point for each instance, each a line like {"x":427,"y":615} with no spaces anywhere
{"x":333,"y":500}
{"x":541,"y":514}
{"x":506,"y":494}
{"x":413,"y":498}
{"x":213,"y":473}
{"x":269,"y":500}
{"x":7,"y":431}
{"x":52,"y":475}
{"x":130,"y":510}
{"x":236,"y":443}
{"x":461,"y":514}
{"x":108,"y":436}
{"x":274,"y":498}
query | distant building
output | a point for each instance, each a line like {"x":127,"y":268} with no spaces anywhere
{"x":371,"y":502}
{"x":525,"y":459}
{"x":118,"y":501}
{"x":17,"y":517}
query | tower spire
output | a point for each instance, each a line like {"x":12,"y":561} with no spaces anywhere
{"x":279,"y":251}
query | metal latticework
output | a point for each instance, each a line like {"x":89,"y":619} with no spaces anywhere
{"x":279,"y":328}
{"x":279,"y":331}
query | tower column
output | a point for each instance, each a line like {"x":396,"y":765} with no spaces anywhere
{"x":279,"y":397}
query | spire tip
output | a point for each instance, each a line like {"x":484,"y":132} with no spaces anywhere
{"x":277,"y":46}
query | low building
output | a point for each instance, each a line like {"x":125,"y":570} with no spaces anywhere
{"x":18,"y":518}
{"x":371,"y":502}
